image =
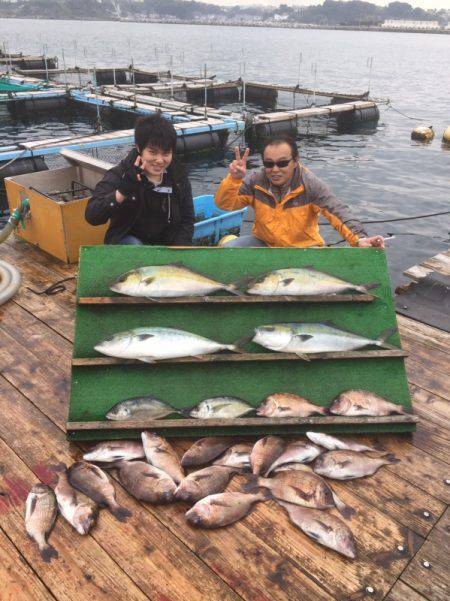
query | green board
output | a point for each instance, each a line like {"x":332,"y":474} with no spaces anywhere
{"x":95,"y":389}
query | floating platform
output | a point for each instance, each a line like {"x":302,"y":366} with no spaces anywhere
{"x":401,"y":523}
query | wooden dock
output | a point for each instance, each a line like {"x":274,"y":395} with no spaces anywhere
{"x":402,"y":520}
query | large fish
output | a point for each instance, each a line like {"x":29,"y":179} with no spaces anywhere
{"x":204,"y":482}
{"x":305,"y":338}
{"x":80,"y":511}
{"x":161,"y":454}
{"x":333,"y":444}
{"x":94,"y":483}
{"x":223,"y":407}
{"x":146,"y":482}
{"x":115,"y":450}
{"x":236,"y":456}
{"x":296,"y":452}
{"x":302,"y":281}
{"x":40,"y":515}
{"x":151,"y":344}
{"x":140,"y":407}
{"x":288,"y":467}
{"x":284,"y":404}
{"x":363,"y":402}
{"x":265,"y":451}
{"x":164,"y":281}
{"x":323,"y":527}
{"x":205,"y":450}
{"x":222,"y":509}
{"x":301,"y":487}
{"x":346,"y":465}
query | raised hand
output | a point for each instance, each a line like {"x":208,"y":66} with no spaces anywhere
{"x":238,"y":168}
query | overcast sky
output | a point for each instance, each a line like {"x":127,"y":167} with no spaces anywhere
{"x":420,"y":3}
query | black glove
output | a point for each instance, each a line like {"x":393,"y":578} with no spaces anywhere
{"x":129,"y":184}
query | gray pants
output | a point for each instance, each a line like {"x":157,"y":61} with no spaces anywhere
{"x":245,"y":241}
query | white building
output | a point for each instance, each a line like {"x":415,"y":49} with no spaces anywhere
{"x":405,"y":24}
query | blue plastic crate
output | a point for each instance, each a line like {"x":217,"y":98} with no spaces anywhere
{"x":216,"y":223}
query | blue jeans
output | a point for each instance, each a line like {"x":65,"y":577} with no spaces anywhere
{"x":129,"y":239}
{"x":245,"y":242}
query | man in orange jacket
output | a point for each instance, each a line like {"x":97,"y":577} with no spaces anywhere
{"x":287,"y":199}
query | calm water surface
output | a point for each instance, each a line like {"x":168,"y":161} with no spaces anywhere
{"x":380,"y":172}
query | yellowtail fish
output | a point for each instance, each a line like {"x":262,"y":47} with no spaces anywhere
{"x":224,"y":407}
{"x":166,"y":281}
{"x":152,"y":344}
{"x":302,"y":281}
{"x":305,"y":338}
{"x":140,"y":407}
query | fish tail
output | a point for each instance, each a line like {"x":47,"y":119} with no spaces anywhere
{"x":385,"y":335}
{"x":239,"y":344}
{"x":252,"y":483}
{"x":321,"y":410}
{"x":185,"y":410}
{"x":240,"y":283}
{"x":48,"y":552}
{"x":390,"y":458}
{"x":120,"y":513}
{"x":370,"y":286}
{"x":346,"y":511}
{"x":234,"y":289}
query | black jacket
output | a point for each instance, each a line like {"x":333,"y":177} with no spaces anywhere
{"x":173,"y":215}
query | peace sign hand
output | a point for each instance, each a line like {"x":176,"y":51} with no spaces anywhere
{"x":238,"y":168}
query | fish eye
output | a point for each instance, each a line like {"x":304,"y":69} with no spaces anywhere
{"x":109,"y":339}
{"x":268,"y":328}
{"x":121,"y":279}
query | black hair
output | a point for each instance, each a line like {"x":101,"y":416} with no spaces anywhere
{"x":281,"y":140}
{"x":156,"y":131}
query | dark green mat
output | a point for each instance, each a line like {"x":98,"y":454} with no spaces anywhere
{"x":96,"y":389}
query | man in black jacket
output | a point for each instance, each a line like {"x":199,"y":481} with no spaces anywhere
{"x":147,"y":197}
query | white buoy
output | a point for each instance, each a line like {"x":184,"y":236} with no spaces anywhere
{"x":423,"y":134}
{"x":446,"y":136}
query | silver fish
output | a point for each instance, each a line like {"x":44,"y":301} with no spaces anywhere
{"x":301,"y":487}
{"x":347,"y":465}
{"x":332,"y":443}
{"x":94,"y":483}
{"x":296,"y":452}
{"x":363,"y":402}
{"x":237,"y":456}
{"x":284,"y":404}
{"x":305,"y":338}
{"x":302,"y":281}
{"x":222,"y":509}
{"x":224,"y":407}
{"x":152,"y":344}
{"x":265,"y":451}
{"x":115,"y":450}
{"x":205,"y":450}
{"x":165,"y":281}
{"x":146,"y":482}
{"x":40,"y":516}
{"x":161,"y":454}
{"x":323,"y":527}
{"x":204,"y":482}
{"x":140,"y":407}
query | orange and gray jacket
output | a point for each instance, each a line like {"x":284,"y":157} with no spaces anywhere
{"x":289,"y":218}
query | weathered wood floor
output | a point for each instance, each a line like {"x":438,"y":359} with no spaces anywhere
{"x":402,"y":521}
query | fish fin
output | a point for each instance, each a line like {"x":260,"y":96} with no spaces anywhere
{"x":233,"y":288}
{"x":322,"y":410}
{"x":252,"y":483}
{"x":147,"y":359}
{"x":219,"y":503}
{"x":148,"y":280}
{"x":186,"y":410}
{"x":330,"y":322}
{"x":303,"y":356}
{"x":287,"y":281}
{"x":302,"y":494}
{"x":120,"y":513}
{"x":142,"y":337}
{"x":346,"y":511}
{"x":302,"y":337}
{"x":239,"y":344}
{"x":384,"y":336}
{"x":371,"y":285}
{"x":155,"y":300}
{"x":344,"y":462}
{"x":391,"y":458}
{"x":241,"y":282}
{"x":48,"y":553}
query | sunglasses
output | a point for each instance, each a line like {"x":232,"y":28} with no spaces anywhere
{"x":280,"y":164}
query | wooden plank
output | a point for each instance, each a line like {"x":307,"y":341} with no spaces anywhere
{"x":430,"y":406}
{"x":85,"y":160}
{"x":433,"y":439}
{"x":238,"y":421}
{"x":427,"y":377}
{"x":402,"y":592}
{"x":428,"y":572}
{"x":152,"y":557}
{"x":228,"y":357}
{"x":91,"y":574}
{"x":18,"y":581}
{"x":130,"y":300}
{"x":423,"y":334}
{"x":185,"y":577}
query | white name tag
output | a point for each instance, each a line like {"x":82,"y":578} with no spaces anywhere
{"x":163,"y":189}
